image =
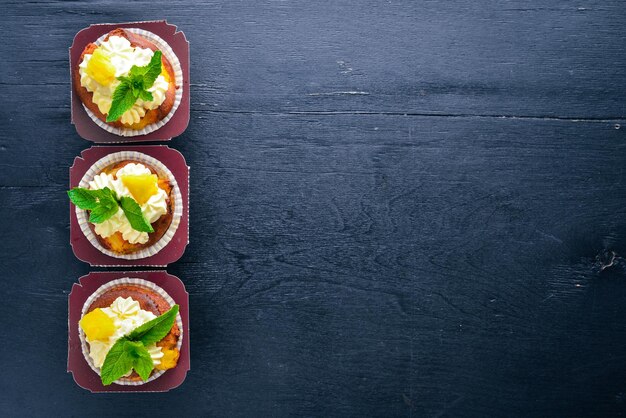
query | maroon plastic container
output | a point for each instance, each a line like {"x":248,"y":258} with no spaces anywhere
{"x":84,"y":376}
{"x":175,"y":162}
{"x":87,"y":128}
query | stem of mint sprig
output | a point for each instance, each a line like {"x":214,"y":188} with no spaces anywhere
{"x":103,"y":204}
{"x":134,"y":86}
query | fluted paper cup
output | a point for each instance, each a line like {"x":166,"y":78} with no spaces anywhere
{"x":103,"y":289}
{"x":167,"y":51}
{"x":162,"y":172}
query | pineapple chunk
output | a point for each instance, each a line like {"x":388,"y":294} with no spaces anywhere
{"x":141,"y":186}
{"x":97,"y":325}
{"x":100,"y":68}
{"x":169,"y":359}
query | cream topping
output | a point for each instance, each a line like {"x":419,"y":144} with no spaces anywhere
{"x":127,"y":315}
{"x":153,"y":209}
{"x":123,"y":56}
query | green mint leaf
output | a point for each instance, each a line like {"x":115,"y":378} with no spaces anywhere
{"x":138,"y":71}
{"x":129,"y":352}
{"x":83,"y":198}
{"x":153,"y":70}
{"x":103,"y":212}
{"x":123,"y":99}
{"x":132,"y":210}
{"x":103,"y":194}
{"x":155,"y":330}
{"x":101,"y":202}
{"x":119,"y":361}
{"x":107,"y":206}
{"x":134,"y":86}
{"x":143,"y":363}
{"x":146,"y":96}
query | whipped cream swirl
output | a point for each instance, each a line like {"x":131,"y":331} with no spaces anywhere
{"x":123,"y":56}
{"x":153,"y":209}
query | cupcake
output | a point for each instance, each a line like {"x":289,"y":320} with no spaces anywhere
{"x":130,"y":332}
{"x":129,"y":81}
{"x":128,"y":205}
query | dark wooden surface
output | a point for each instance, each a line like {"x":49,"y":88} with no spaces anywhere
{"x":399,"y":208}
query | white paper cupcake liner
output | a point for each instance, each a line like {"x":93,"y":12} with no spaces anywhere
{"x":178,"y":77}
{"x":99,"y":292}
{"x":162,"y":172}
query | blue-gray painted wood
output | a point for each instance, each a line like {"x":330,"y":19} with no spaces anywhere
{"x":398,"y":208}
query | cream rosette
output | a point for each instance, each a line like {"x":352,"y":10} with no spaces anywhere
{"x":125,"y":305}
{"x":167,"y":51}
{"x":162,"y":172}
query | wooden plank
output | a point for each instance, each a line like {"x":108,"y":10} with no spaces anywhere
{"x":370,"y":265}
{"x":523,"y":59}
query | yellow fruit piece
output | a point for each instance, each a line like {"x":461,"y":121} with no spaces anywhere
{"x":100,"y":68}
{"x":97,"y":325}
{"x":169,"y":359}
{"x":165,"y":75}
{"x":141,"y":186}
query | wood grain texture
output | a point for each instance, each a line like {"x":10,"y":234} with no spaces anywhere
{"x":397,"y":208}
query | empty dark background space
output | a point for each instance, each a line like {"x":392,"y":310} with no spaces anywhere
{"x":398,"y":208}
